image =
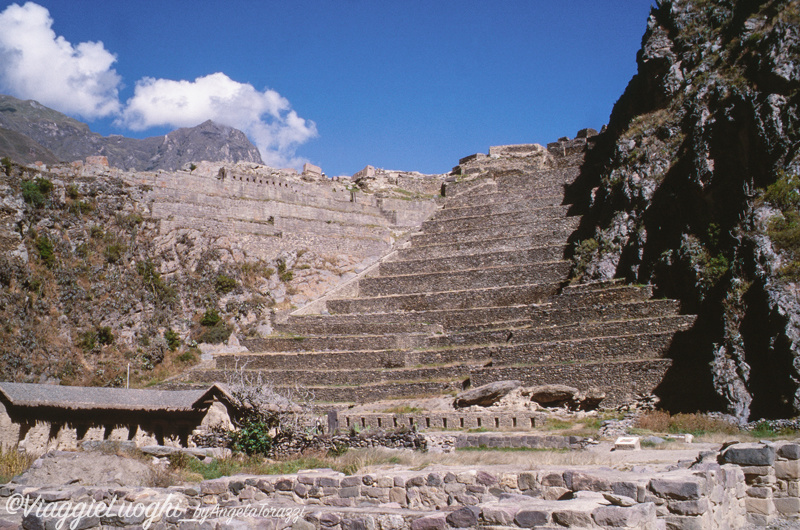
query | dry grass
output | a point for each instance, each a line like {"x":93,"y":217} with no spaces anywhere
{"x":12,"y":463}
{"x":658,"y":421}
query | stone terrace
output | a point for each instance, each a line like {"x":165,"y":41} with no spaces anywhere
{"x":477,"y":295}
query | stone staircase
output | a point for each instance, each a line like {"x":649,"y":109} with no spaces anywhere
{"x":477,"y":295}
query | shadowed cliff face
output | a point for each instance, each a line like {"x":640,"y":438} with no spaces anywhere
{"x":691,"y":188}
{"x":30,"y":132}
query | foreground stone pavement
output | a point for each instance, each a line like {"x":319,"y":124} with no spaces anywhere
{"x":745,"y":483}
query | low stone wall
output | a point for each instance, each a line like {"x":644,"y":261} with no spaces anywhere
{"x":706,"y":495}
{"x":517,"y":420}
{"x":772,"y":478}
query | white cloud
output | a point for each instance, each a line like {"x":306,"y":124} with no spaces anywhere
{"x":266,"y":117}
{"x":37,"y":64}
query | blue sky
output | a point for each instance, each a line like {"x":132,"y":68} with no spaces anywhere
{"x":407,"y":85}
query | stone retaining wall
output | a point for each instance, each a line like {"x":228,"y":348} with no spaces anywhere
{"x":517,"y":420}
{"x":744,"y":483}
{"x":705,"y":495}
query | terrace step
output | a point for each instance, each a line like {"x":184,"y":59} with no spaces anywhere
{"x":458,"y":299}
{"x":436,"y":320}
{"x":603,"y":296}
{"x":497,"y":219}
{"x":358,"y":359}
{"x":546,"y":272}
{"x":622,"y":381}
{"x":336,"y":342}
{"x":641,"y":346}
{"x":560,"y":314}
{"x":525,"y":256}
{"x":348,"y":377}
{"x":533,"y":333}
{"x":514,"y":205}
{"x":375,"y":324}
{"x":546,"y":229}
{"x":500,"y":244}
{"x":494,"y":196}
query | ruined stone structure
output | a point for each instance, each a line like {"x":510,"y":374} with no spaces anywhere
{"x":269,"y":212}
{"x":39,"y":418}
{"x":478,"y":294}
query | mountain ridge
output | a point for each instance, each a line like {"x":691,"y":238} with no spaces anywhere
{"x":31,"y":132}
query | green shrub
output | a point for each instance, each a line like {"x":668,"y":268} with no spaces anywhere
{"x":96,"y":232}
{"x":46,"y":252}
{"x":225,"y":284}
{"x":6,"y":163}
{"x":113,"y":253}
{"x":584,"y":252}
{"x":284,"y":273}
{"x":172,"y":338}
{"x":153,"y":281}
{"x":88,"y":340}
{"x":35,"y":192}
{"x":784,"y":193}
{"x":252,"y":438}
{"x":105,"y":336}
{"x":80,"y":207}
{"x":130,"y":221}
{"x":210,"y":317}
{"x":72,"y":192}
{"x":215,"y":334}
{"x":188,"y":356}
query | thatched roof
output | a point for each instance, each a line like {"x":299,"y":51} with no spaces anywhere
{"x":95,"y":398}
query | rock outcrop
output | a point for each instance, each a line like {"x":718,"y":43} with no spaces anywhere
{"x":693,"y":188}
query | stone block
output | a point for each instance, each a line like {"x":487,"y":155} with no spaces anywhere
{"x":213,"y":487}
{"x":555,"y":493}
{"x":685,"y":522}
{"x":431,"y":522}
{"x":630,"y":489}
{"x":579,"y":481}
{"x":758,"y":471}
{"x":573,"y":518}
{"x":329,"y":482}
{"x":787,"y":469}
{"x":695,"y":507}
{"x":787,"y":505}
{"x":398,"y":495}
{"x":554,"y":479}
{"x":527,"y":481}
{"x":352,"y":491}
{"x":465,"y":517}
{"x":347,"y":482}
{"x":638,"y":516}
{"x":793,"y":488}
{"x":628,"y":443}
{"x":532,"y":517}
{"x":687,"y":488}
{"x":759,"y":492}
{"x":499,"y":515}
{"x":399,"y":482}
{"x":759,"y":506}
{"x":789,"y":451}
{"x":748,"y":454}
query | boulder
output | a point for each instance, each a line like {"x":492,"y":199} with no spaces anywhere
{"x":486,"y":395}
{"x":553,"y":394}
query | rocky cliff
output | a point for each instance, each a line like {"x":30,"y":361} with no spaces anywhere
{"x":30,"y":131}
{"x":693,"y":187}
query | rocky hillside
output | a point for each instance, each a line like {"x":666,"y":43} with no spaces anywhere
{"x":101,"y":268}
{"x":30,"y":131}
{"x":694,"y":187}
